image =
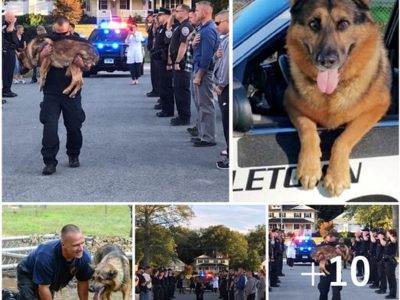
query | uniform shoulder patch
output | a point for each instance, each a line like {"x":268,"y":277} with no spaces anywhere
{"x":185,"y":31}
{"x":168,"y":34}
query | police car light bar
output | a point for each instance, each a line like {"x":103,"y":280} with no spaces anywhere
{"x":113,"y":25}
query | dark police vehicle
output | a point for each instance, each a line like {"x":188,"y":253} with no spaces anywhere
{"x":109,"y":40}
{"x":304,"y":247}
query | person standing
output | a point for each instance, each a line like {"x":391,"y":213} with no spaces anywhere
{"x":151,"y":28}
{"x":380,"y":248}
{"x":181,"y":67}
{"x":250,"y":288}
{"x":39,"y":30}
{"x":374,"y":276}
{"x":261,"y":291}
{"x":221,"y":78}
{"x":134,"y":52}
{"x":291,"y":251}
{"x":215,"y":283}
{"x":9,"y":44}
{"x":389,"y":257}
{"x":20,"y":48}
{"x":240,"y":282}
{"x":208,"y":40}
{"x":55,"y":102}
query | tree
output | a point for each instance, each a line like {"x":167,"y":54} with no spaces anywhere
{"x":238,"y":250}
{"x":217,"y":4}
{"x":326,"y":228}
{"x":151,"y":218}
{"x":379,"y":216}
{"x":328,"y":212}
{"x":256,"y":239}
{"x":71,"y":9}
{"x":253,"y":261}
{"x":187,"y":243}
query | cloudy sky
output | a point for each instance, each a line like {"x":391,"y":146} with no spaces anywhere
{"x":237,"y":217}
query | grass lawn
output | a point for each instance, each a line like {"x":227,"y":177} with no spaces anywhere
{"x":96,"y":220}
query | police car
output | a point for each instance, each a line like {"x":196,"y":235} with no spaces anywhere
{"x":109,"y":40}
{"x":265,"y":144}
{"x":304,"y":247}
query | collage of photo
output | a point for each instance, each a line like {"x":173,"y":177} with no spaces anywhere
{"x":216,"y":149}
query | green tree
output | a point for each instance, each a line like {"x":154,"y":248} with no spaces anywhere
{"x":71,"y":9}
{"x":253,"y":261}
{"x":217,"y":4}
{"x":187,"y":243}
{"x":150,"y":219}
{"x":238,"y":250}
{"x":379,"y":216}
{"x":256,"y":239}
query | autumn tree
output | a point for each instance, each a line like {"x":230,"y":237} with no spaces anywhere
{"x":71,"y":9}
{"x":326,"y":228}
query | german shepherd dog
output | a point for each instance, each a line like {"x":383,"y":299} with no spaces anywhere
{"x":112,"y":273}
{"x":323,"y":254}
{"x":341,"y":77}
{"x":65,"y":50}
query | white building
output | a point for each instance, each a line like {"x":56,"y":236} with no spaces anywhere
{"x":298,"y":219}
{"x":208,"y":264}
{"x":345,"y":224}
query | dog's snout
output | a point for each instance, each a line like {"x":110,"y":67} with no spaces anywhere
{"x":327,"y":59}
{"x":91,"y":289}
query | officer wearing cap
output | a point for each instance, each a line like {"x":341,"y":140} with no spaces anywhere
{"x":177,"y":62}
{"x":9,"y":44}
{"x":373,"y":263}
{"x":325,"y":281}
{"x":160,"y":53}
{"x":274,"y":255}
{"x":380,"y":263}
{"x":151,"y":28}
{"x":389,"y":254}
{"x":364,"y":249}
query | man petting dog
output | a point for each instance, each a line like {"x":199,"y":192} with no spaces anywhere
{"x":52,"y":266}
{"x":55,"y":102}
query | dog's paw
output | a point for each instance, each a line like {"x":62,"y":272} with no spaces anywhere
{"x":336,"y":182}
{"x":309,"y":172}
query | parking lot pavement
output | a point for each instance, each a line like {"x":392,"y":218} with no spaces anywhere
{"x":293,"y":286}
{"x":128,"y":153}
{"x":207,"y":296}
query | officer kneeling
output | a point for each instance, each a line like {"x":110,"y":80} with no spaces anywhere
{"x":53,"y":265}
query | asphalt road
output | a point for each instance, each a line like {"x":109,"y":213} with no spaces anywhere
{"x":296,"y":287}
{"x":207,"y":296}
{"x":128,"y":154}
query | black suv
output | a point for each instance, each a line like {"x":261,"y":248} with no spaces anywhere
{"x":304,"y":248}
{"x":110,"y":43}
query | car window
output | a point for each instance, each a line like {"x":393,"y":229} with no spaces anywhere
{"x":381,"y":11}
{"x":108,"y":35}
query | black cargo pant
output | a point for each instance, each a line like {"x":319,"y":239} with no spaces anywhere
{"x":223,"y":101}
{"x":382,"y":275}
{"x":390,"y":268}
{"x":325,"y":285}
{"x":182,"y":93}
{"x":166,"y":89}
{"x":73,"y":116}
{"x":8,"y":65}
{"x":154,"y":75}
{"x":27,"y":289}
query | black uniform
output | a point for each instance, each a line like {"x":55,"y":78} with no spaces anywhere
{"x":389,"y":254}
{"x":373,"y":263}
{"x":223,"y":287}
{"x":381,"y":267}
{"x":160,"y":56}
{"x":9,"y":44}
{"x":274,"y":249}
{"x":325,"y":281}
{"x":364,"y":251}
{"x":55,"y":102}
{"x":181,"y":77}
{"x":231,"y":288}
{"x":357,"y":252}
{"x":150,"y":45}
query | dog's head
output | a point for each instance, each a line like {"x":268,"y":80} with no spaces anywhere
{"x":103,"y":278}
{"x":327,"y":31}
{"x":35,"y":47}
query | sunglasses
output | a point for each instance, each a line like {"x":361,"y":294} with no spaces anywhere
{"x":219,"y":22}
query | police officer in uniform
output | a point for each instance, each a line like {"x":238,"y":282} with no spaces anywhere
{"x":151,"y":28}
{"x":365,"y":247}
{"x":9,"y":44}
{"x":325,"y":281}
{"x":357,"y":252}
{"x":177,"y":62}
{"x":381,"y":263}
{"x":55,"y":102}
{"x":160,"y":54}
{"x":373,"y":263}
{"x":389,"y":255}
{"x":274,"y":255}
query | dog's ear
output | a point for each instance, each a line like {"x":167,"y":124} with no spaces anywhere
{"x":363,"y":4}
{"x":294,"y":3}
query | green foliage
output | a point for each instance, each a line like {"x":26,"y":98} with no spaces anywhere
{"x":256,"y":239}
{"x":217,"y":4}
{"x":253,"y":261}
{"x":328,"y":212}
{"x":97,"y":220}
{"x":379,"y":216}
{"x":187,"y":243}
{"x":238,"y":250}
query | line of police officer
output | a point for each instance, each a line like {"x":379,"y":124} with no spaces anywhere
{"x":380,"y":249}
{"x":170,"y":69}
{"x":276,"y":249}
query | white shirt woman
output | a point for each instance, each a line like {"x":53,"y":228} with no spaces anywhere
{"x":134,"y":53}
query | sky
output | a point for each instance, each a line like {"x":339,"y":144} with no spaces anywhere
{"x":240,"y":218}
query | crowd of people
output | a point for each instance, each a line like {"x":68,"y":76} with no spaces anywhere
{"x":190,"y":64}
{"x":164,"y":284}
{"x":377,"y":246}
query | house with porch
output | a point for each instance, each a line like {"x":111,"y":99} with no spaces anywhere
{"x":208,"y":264}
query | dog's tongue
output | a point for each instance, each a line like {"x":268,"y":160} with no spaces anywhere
{"x":97,"y":295}
{"x":328,"y":80}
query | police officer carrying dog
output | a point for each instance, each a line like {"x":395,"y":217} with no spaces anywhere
{"x":178,"y":63}
{"x":53,"y":265}
{"x":160,"y":54}
{"x":55,"y":102}
{"x":9,"y":44}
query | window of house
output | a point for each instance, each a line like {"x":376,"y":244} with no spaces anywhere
{"x":124,"y":4}
{"x":308,"y":226}
{"x":206,"y":261}
{"x":282,"y":215}
{"x":103,"y":4}
{"x":297,"y":215}
{"x":271,"y":215}
{"x":296,"y":226}
{"x":307,"y":215}
{"x":171,"y":3}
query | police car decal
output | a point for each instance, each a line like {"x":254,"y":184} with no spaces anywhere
{"x":185,"y":31}
{"x":168,"y":33}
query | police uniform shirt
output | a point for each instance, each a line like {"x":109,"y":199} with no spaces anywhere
{"x":365,"y":247}
{"x":180,"y":35}
{"x":49,"y":267}
{"x":159,"y":42}
{"x":10,"y":40}
{"x":379,"y":250}
{"x":390,"y":248}
{"x":150,"y":37}
{"x":372,"y":248}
